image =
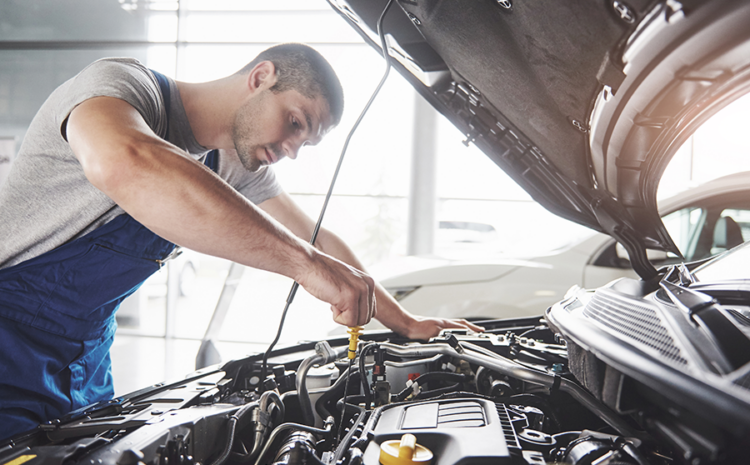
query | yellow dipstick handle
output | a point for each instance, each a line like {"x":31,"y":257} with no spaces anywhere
{"x":354,"y":332}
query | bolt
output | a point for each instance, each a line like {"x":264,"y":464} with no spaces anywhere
{"x":579,"y":125}
{"x":505,"y":4}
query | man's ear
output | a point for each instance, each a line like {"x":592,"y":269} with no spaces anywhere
{"x":262,"y":76}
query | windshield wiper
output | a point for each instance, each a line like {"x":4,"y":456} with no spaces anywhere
{"x":729,"y":347}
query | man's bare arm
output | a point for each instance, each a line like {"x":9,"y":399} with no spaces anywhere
{"x":184,"y":202}
{"x":389,"y":311}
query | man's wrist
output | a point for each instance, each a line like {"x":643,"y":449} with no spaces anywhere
{"x":393,"y":315}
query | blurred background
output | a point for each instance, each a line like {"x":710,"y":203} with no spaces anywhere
{"x":475,"y":209}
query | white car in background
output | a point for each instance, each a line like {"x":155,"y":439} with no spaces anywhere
{"x":703,"y":222}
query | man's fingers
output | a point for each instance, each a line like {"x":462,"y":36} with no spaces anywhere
{"x":461,"y":323}
{"x":350,"y":292}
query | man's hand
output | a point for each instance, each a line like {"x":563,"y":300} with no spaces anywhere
{"x":325,"y":287}
{"x":349,"y":291}
{"x":427,"y":327}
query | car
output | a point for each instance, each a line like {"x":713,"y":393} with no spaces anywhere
{"x":704,"y":221}
{"x":583,"y":104}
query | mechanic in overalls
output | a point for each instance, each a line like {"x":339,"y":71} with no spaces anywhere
{"x":122,"y":163}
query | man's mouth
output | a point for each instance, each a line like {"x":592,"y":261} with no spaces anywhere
{"x":270,"y":156}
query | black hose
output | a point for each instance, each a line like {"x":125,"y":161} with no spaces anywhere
{"x":268,"y":400}
{"x":284,"y":427}
{"x":426,"y":378}
{"x":335,"y":391}
{"x":343,"y":410}
{"x":342,"y":444}
{"x":542,"y":404}
{"x":272,"y":397}
{"x":232,"y":425}
{"x":230,"y":441}
{"x":355,"y":456}
{"x":437,"y":392}
{"x":302,"y":393}
{"x":363,"y":378}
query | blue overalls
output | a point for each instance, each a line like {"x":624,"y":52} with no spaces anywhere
{"x":57,"y":317}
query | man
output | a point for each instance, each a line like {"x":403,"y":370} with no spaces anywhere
{"x":113,"y":173}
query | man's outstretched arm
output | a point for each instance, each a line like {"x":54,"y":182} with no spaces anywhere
{"x":184,"y":202}
{"x":389,"y":311}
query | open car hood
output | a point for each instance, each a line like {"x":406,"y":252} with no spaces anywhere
{"x":583,"y":104}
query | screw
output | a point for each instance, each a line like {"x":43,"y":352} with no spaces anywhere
{"x":624,"y":11}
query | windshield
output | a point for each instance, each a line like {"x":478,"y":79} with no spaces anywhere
{"x":731,"y":265}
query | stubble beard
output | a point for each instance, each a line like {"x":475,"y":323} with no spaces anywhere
{"x":244,"y":130}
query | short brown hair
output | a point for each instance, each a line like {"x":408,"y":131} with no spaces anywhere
{"x":302,"y":68}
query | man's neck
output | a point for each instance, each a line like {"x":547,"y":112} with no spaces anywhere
{"x":210,"y":108}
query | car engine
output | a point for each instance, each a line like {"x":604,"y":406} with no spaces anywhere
{"x":505,"y":396}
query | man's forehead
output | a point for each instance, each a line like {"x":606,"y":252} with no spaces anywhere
{"x":317,"y":115}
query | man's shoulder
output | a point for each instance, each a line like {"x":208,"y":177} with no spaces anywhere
{"x":124,"y":78}
{"x":117,"y":66}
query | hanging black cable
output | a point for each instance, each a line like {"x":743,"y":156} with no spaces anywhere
{"x":365,"y":386}
{"x":295,"y":285}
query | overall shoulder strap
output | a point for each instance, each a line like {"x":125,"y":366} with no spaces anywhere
{"x":164,"y":88}
{"x":212,"y":158}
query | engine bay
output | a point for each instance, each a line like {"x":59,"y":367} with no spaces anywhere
{"x":522,"y":392}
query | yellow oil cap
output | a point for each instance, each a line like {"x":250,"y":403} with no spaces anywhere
{"x":404,"y":452}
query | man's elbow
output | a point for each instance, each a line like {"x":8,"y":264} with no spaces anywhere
{"x":113,"y":171}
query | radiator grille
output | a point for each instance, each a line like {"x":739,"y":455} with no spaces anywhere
{"x":637,"y":321}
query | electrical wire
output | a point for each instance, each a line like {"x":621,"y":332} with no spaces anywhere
{"x":295,"y":285}
{"x":343,"y":404}
{"x":362,"y":361}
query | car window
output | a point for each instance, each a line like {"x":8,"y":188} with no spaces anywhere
{"x":684,"y":227}
{"x":698,"y":232}
{"x":728,"y":230}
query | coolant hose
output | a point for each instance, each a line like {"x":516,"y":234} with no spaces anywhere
{"x":308,"y":416}
{"x":232,"y":425}
{"x":294,"y":426}
{"x":323,"y":356}
{"x":261,"y":420}
{"x":272,"y":396}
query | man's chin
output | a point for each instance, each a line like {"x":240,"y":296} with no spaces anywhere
{"x":250,"y":163}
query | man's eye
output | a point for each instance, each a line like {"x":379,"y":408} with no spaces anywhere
{"x":295,"y":123}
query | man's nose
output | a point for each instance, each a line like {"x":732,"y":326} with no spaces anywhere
{"x":293,"y":148}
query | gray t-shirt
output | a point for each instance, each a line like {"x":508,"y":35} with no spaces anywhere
{"x":47,"y":201}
